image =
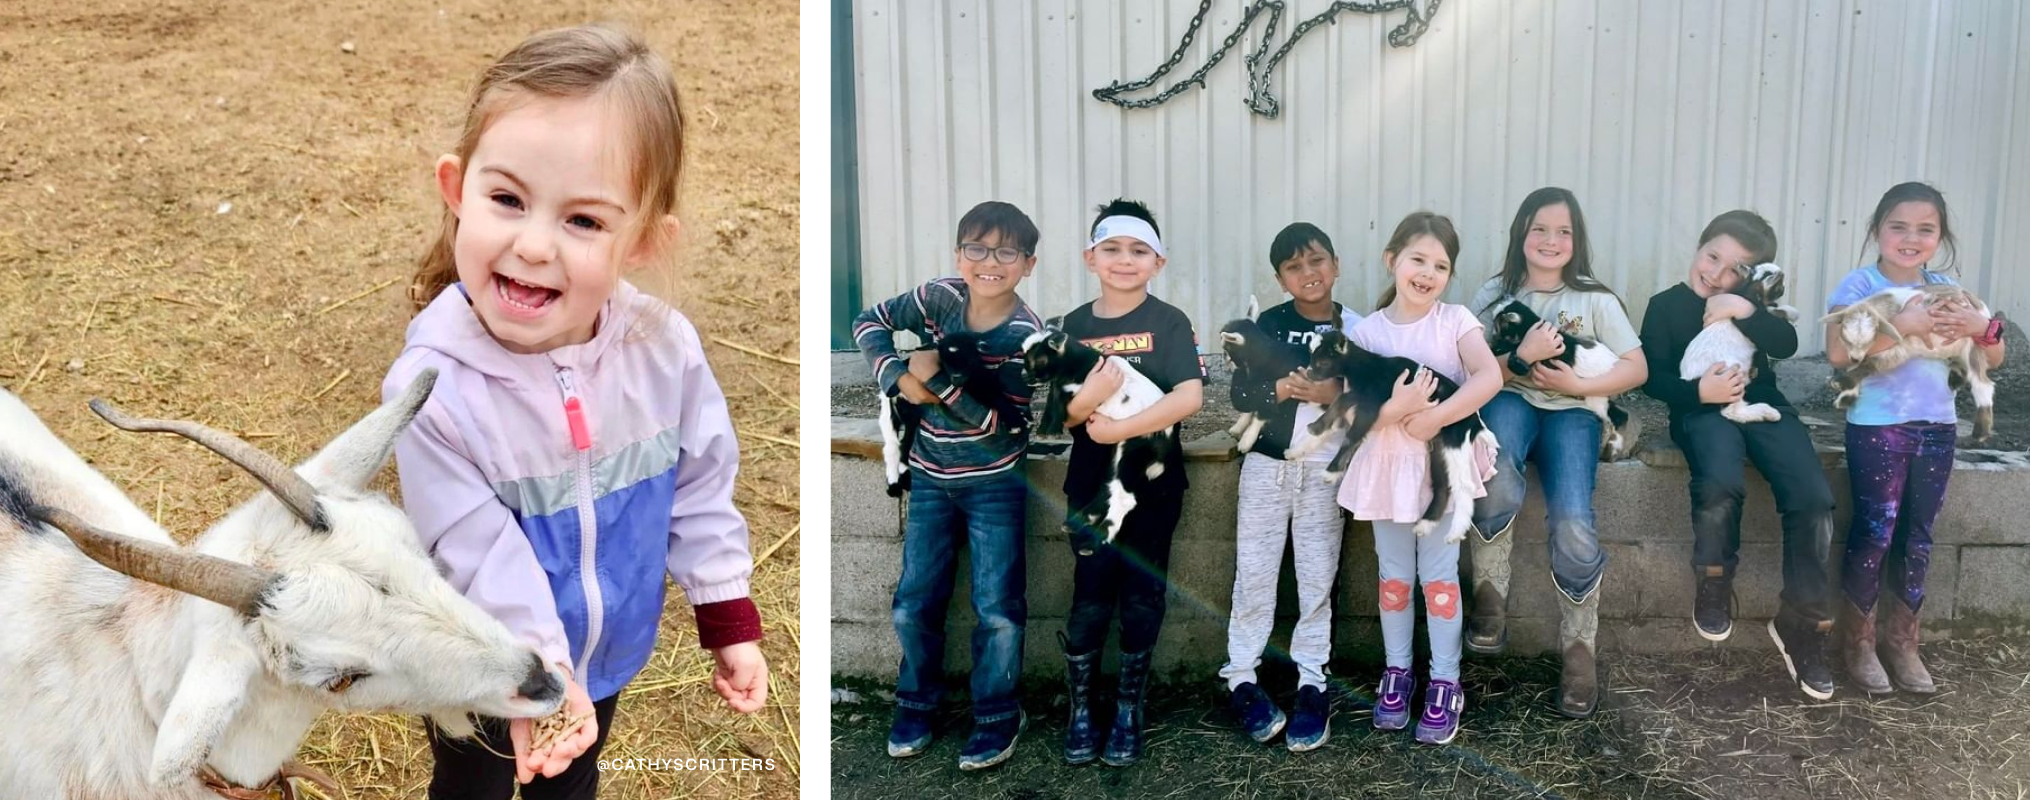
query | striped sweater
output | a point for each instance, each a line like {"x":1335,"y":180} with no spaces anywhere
{"x":962,"y":439}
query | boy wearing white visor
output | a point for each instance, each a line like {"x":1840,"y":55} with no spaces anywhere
{"x":1125,"y":251}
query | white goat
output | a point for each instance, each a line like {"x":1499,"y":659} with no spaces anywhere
{"x":182,"y":669}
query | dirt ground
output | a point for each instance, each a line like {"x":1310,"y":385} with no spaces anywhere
{"x":210,"y":210}
{"x":1706,"y":724}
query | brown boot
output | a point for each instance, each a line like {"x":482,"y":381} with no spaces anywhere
{"x":1899,"y":647}
{"x":1487,"y":620}
{"x":1579,"y":687}
{"x":1857,"y":648}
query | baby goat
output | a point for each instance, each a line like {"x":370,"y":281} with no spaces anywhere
{"x":1588,"y":358}
{"x":1859,"y":323}
{"x":1256,"y":357}
{"x":967,"y":368}
{"x":1369,"y":381}
{"x":138,"y":668}
{"x":1060,"y":364}
{"x":1723,"y":343}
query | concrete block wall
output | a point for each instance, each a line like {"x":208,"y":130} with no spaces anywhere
{"x":1980,"y":569}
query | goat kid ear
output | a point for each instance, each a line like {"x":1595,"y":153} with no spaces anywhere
{"x":352,"y":459}
{"x":207,"y":697}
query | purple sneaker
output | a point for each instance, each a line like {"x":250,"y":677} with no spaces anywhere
{"x":1392,"y":700}
{"x":1444,"y":701}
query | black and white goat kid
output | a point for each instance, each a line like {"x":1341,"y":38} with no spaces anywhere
{"x":1723,"y":343}
{"x":966,"y":367}
{"x":1588,"y":358}
{"x":1060,"y":365}
{"x":1256,"y":357}
{"x":1968,"y":364}
{"x":1369,"y":380}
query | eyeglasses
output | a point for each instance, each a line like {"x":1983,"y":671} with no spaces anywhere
{"x":974,"y":251}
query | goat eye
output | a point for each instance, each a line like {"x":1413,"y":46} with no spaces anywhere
{"x":341,"y":683}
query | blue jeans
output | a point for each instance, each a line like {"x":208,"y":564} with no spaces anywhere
{"x":1566,"y":448}
{"x":988,"y":517}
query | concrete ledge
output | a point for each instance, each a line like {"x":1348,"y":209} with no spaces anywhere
{"x":1980,"y":570}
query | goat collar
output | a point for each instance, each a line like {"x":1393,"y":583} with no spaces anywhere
{"x":278,"y":786}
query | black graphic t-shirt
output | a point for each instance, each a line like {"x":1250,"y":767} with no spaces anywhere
{"x":1157,"y":339}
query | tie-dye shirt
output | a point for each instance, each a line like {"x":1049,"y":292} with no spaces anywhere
{"x":1914,"y":392}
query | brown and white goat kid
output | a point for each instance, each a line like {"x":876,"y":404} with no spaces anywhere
{"x":180,"y":666}
{"x":1724,"y":343}
{"x":1968,"y":365}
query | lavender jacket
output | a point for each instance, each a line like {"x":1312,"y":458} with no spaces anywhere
{"x":557,"y":488}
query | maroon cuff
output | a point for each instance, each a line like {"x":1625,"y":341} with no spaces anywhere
{"x":728,"y":622}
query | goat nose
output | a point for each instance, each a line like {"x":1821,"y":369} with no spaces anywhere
{"x":538,"y":684}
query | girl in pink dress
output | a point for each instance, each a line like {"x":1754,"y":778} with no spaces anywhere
{"x":1388,"y":482}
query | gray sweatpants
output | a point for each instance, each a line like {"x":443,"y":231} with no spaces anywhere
{"x":1405,"y":558}
{"x":1279,"y":500}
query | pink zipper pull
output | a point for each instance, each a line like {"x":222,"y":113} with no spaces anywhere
{"x":574,"y":412}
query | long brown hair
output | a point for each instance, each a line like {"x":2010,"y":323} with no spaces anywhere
{"x":603,"y":60}
{"x":1578,"y":272}
{"x":1421,"y":223}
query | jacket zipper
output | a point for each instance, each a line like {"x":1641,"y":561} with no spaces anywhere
{"x":588,"y":521}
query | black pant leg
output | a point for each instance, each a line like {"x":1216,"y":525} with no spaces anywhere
{"x":1145,"y":569}
{"x":1714,"y":450}
{"x":1783,"y":453}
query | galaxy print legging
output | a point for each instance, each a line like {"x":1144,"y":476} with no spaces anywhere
{"x":1898,"y":473}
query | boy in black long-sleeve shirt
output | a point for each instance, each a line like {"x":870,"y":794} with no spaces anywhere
{"x":1715,"y":446}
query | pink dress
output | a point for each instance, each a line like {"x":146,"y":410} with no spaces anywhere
{"x":1389,"y":477}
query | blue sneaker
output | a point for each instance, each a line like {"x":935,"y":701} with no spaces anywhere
{"x":1258,"y":714}
{"x":1392,"y":700}
{"x":1310,"y":720}
{"x":992,"y":742}
{"x":910,"y":734}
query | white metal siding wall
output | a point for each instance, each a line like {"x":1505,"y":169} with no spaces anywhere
{"x":1658,"y":115}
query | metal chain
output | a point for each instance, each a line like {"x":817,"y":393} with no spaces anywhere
{"x":1260,"y":99}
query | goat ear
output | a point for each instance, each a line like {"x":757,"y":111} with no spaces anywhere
{"x":454,"y":724}
{"x":210,"y":692}
{"x":352,"y":459}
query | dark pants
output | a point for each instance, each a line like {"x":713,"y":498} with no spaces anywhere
{"x":466,"y":771}
{"x":988,"y":517}
{"x":1132,"y":574}
{"x":1715,"y":448}
{"x":1899,"y":474}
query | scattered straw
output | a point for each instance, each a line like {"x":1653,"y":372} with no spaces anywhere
{"x":778,"y":543}
{"x":333,"y":384}
{"x":369,"y":290}
{"x":751,"y":351}
{"x":767,"y":438}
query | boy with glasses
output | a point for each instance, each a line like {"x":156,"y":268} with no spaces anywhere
{"x":966,"y":481}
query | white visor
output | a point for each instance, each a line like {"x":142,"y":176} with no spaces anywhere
{"x":1131,"y":227}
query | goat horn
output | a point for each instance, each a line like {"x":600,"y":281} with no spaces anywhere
{"x":234,"y":585}
{"x":289,"y":487}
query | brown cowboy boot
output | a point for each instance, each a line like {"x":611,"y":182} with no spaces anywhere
{"x":1578,"y":627}
{"x":1900,"y":633}
{"x":1487,"y":621}
{"x":1857,"y":648}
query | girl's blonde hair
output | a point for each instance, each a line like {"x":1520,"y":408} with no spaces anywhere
{"x":603,"y":60}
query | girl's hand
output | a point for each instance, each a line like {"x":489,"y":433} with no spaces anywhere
{"x":1421,"y":426}
{"x":741,"y":677}
{"x":1914,"y":320}
{"x":1412,"y":394}
{"x":1721,"y":385}
{"x":1105,"y":430}
{"x":552,"y":760}
{"x":1557,"y":376}
{"x":1956,"y":320}
{"x":1541,"y":342}
{"x":1721,"y":307}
